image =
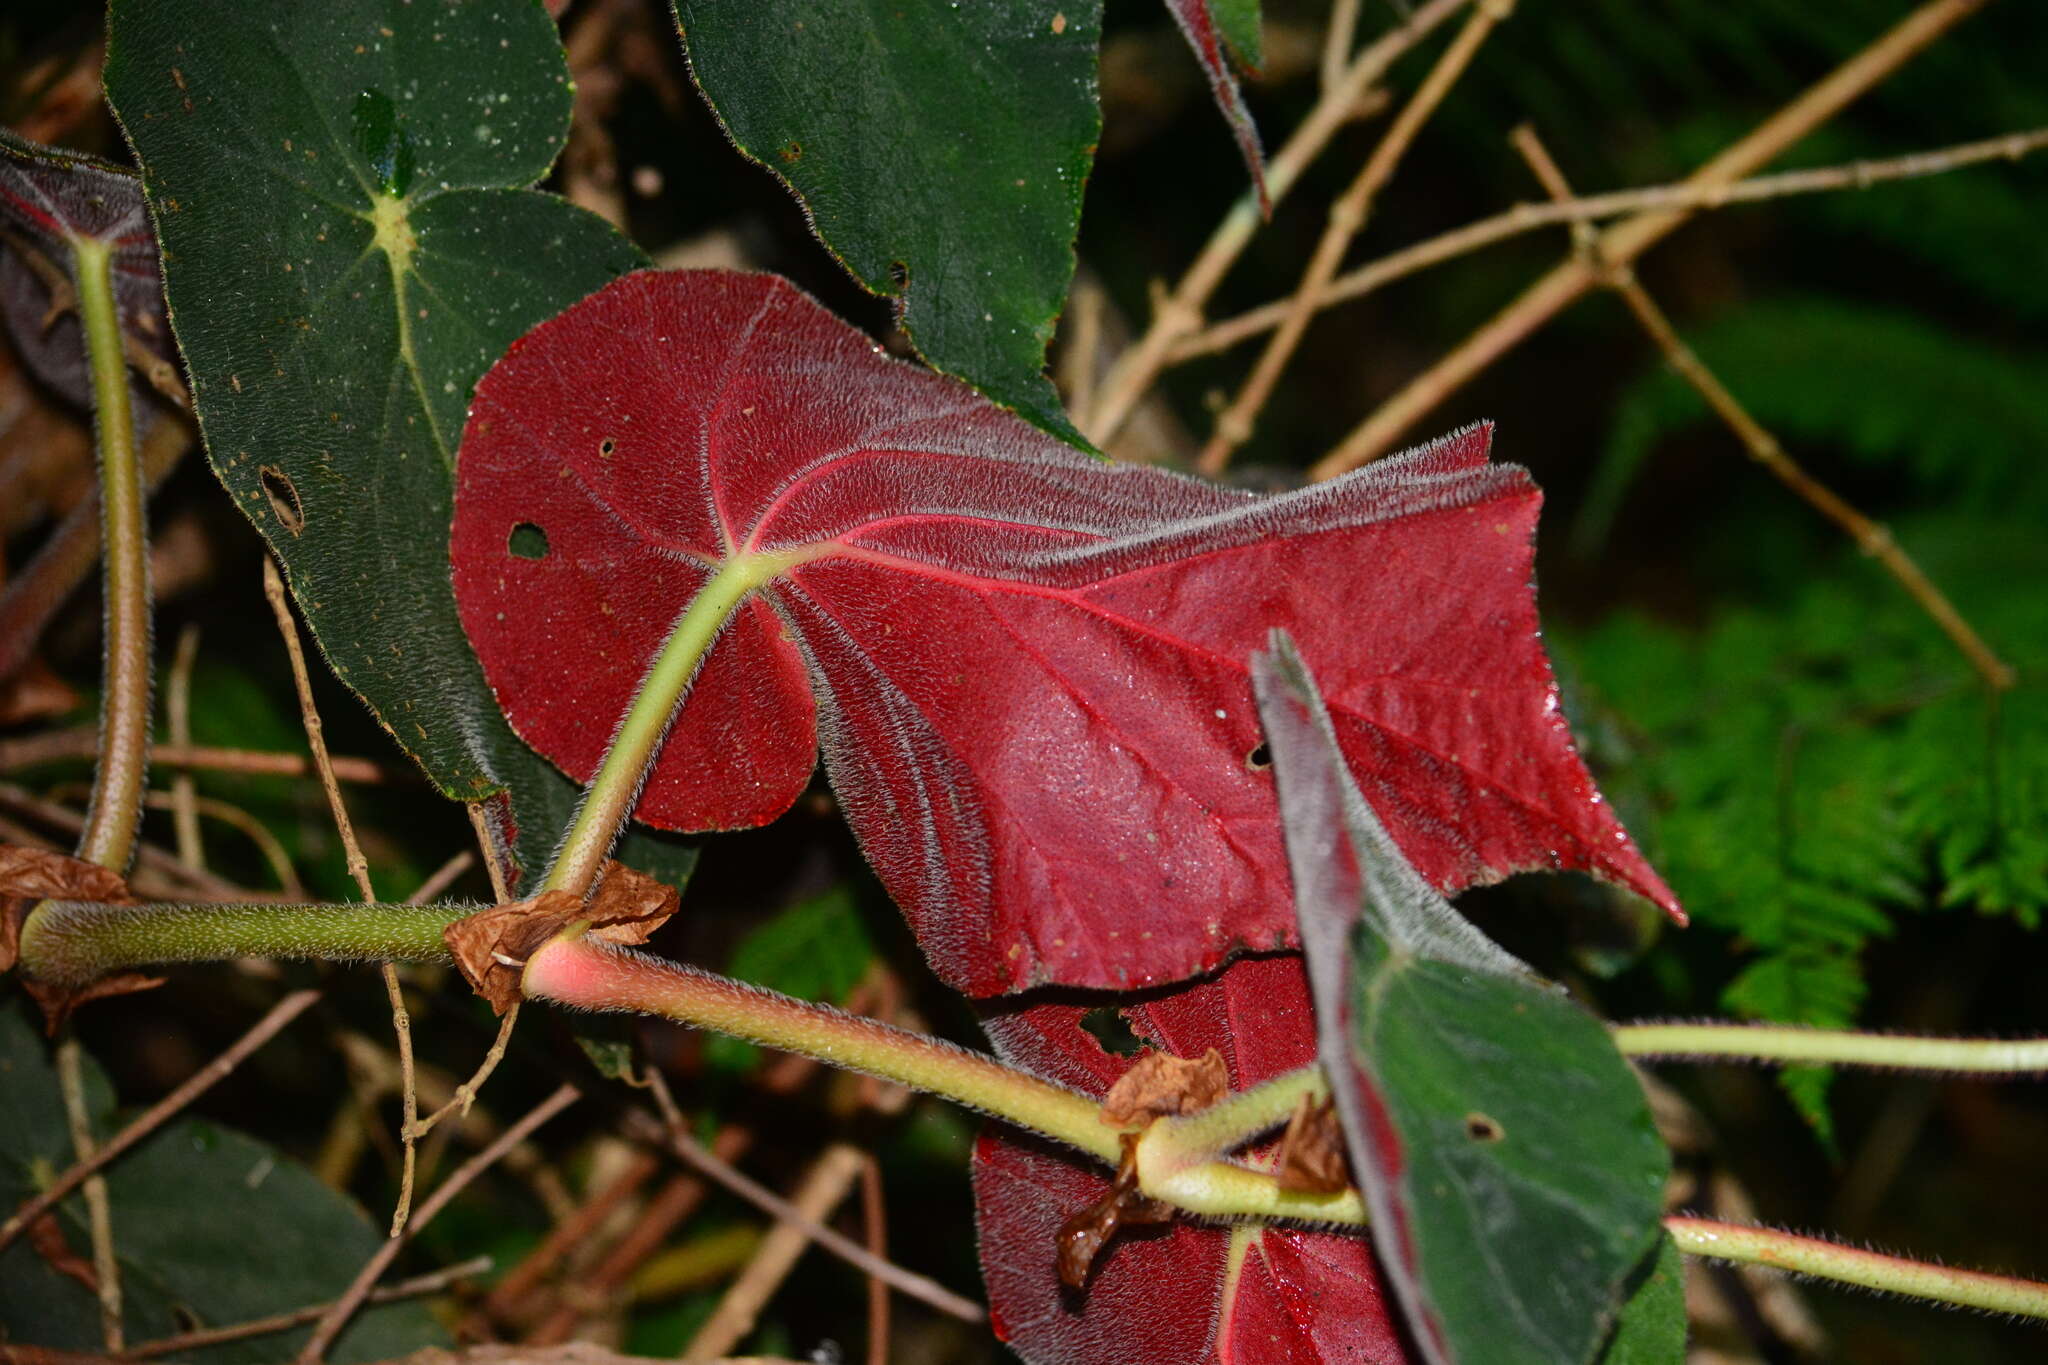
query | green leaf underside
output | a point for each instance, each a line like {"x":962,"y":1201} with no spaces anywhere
{"x":1651,"y":1330}
{"x":339,"y":190}
{"x":1509,"y":1230}
{"x":941,"y":152}
{"x":212,"y":1228}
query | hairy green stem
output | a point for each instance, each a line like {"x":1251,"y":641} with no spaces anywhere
{"x":1796,"y":1046}
{"x":68,"y":943}
{"x":610,"y":797}
{"x":1236,"y":1119}
{"x":115,"y":813}
{"x":1853,"y":1265}
{"x":597,"y":976}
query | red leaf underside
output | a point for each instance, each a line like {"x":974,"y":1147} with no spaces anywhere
{"x":1026,"y":667}
{"x":1168,"y":1294}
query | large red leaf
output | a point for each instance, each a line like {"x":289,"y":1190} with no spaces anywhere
{"x":1164,"y":1295}
{"x":1027,"y":667}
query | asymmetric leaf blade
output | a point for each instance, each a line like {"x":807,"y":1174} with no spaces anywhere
{"x":1494,"y":1129}
{"x":1026,"y":666}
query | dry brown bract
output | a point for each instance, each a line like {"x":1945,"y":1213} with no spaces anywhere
{"x":1312,"y":1150}
{"x":1082,"y":1237}
{"x":491,"y":946}
{"x":1160,"y":1084}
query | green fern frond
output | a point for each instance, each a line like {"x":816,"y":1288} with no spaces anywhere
{"x":1964,"y":419}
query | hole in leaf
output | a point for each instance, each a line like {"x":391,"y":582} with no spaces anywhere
{"x":791,"y":152}
{"x":1109,"y":1028}
{"x":527,"y":541}
{"x":284,"y":498}
{"x":606,"y":447}
{"x":1484,"y":1128}
{"x":1258,"y":760}
{"x":899,"y":275}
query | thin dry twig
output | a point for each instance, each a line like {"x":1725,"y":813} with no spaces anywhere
{"x":1338,"y":36}
{"x":674,"y":1136}
{"x":501,"y":885}
{"x":874,"y":1219}
{"x":99,"y":1213}
{"x":257,"y":833}
{"x":598,"y":1286}
{"x":1872,"y":537}
{"x":433,"y":1282}
{"x":83,"y":742}
{"x":1626,"y":240}
{"x":1180,"y":313}
{"x":1531,"y":217}
{"x":1347,"y":219}
{"x":345,"y":1307}
{"x":197,"y":1084}
{"x":178,"y":709}
{"x":359,"y":869}
{"x":829,"y":1180}
{"x":516,"y":1291}
{"x":442,"y":877}
{"x":185,"y":883}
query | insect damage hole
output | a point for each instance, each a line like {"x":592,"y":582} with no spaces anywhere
{"x":284,"y":498}
{"x":527,"y":541}
{"x":606,"y":447}
{"x":1108,"y":1026}
{"x":1258,"y":760}
{"x":1484,"y":1128}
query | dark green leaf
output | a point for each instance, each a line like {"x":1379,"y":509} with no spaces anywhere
{"x":1504,"y":1146}
{"x":940,"y":150}
{"x":815,"y":950}
{"x":348,"y":243}
{"x":1652,"y":1326}
{"x":212,"y":1228}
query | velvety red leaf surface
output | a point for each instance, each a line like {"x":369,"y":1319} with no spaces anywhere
{"x":1199,"y":26}
{"x":1027,"y":668}
{"x":1164,"y":1294}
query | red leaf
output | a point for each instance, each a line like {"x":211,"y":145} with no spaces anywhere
{"x":1164,"y":1295}
{"x":1199,"y":27}
{"x":1029,"y":666}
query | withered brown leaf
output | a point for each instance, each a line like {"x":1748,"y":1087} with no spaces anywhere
{"x":1312,"y":1159}
{"x":1160,"y":1084}
{"x":492,"y":945}
{"x":1082,"y":1237}
{"x":28,"y":875}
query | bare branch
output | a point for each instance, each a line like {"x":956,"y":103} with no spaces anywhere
{"x":1627,"y":240}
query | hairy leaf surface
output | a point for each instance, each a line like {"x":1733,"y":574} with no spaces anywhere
{"x":1026,"y":667}
{"x":1181,"y":1292}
